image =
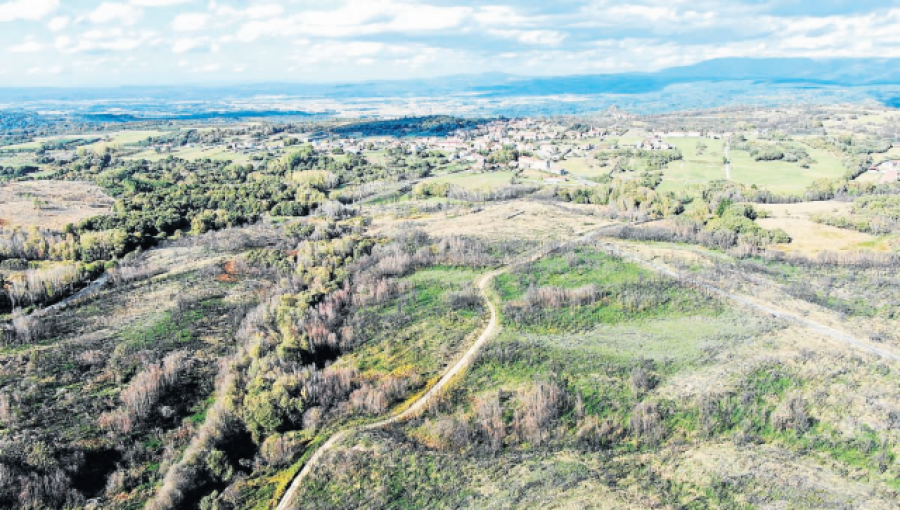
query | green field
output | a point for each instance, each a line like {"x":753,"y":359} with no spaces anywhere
{"x":631,"y":138}
{"x":194,"y":153}
{"x":777,"y":176}
{"x":585,"y":167}
{"x":114,"y":139}
{"x":473,"y":181}
{"x":122,"y":138}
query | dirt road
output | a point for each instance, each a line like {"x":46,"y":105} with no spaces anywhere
{"x":419,"y":405}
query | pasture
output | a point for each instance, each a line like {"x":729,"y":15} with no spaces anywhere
{"x":477,"y":182}
{"x":193,"y":154}
{"x":776,"y":176}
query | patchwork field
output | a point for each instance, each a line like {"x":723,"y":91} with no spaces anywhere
{"x":111,"y":139}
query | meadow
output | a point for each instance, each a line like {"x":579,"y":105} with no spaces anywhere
{"x":193,"y":154}
{"x":476,"y":181}
{"x":776,"y":176}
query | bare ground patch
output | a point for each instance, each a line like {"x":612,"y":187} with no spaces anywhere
{"x":50,"y":204}
{"x":521,"y":219}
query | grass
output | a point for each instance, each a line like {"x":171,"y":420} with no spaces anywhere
{"x":777,"y":176}
{"x":477,"y":182}
{"x":112,"y":139}
{"x":585,"y":167}
{"x":194,"y":153}
{"x":122,"y":138}
{"x":418,"y":332}
{"x":588,"y":266}
{"x":626,"y":293}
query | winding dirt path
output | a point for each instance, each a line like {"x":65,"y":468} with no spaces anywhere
{"x":420,"y":405}
{"x":493,"y":328}
{"x":461,"y":365}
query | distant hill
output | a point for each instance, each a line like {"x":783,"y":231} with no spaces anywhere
{"x":714,"y":83}
{"x":839,"y":72}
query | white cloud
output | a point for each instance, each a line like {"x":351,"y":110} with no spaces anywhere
{"x":109,"y":12}
{"x":360,"y":17}
{"x":188,"y":44}
{"x":52,"y":70}
{"x":253,"y":12}
{"x":501,"y":15}
{"x":31,"y":10}
{"x":58,"y":23}
{"x":207,"y":68}
{"x":159,"y":3}
{"x":534,"y":37}
{"x":102,"y":40}
{"x":190,"y":22}
{"x":30,"y":45}
{"x":367,"y":53}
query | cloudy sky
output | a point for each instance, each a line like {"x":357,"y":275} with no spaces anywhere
{"x":122,"y":42}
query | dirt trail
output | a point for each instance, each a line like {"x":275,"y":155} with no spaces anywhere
{"x":462,"y":364}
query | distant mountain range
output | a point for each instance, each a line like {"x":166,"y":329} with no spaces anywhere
{"x":796,"y":75}
{"x":837,"y":72}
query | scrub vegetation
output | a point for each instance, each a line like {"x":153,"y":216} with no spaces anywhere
{"x":193,"y":315}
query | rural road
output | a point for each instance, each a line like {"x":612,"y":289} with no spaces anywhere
{"x":418,"y":406}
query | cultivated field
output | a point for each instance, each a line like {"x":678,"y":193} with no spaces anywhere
{"x":584,"y":167}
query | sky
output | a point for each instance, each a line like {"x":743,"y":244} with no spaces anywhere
{"x":59,"y":43}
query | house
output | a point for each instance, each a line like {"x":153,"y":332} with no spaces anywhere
{"x":312,"y":137}
{"x":558,"y":170}
{"x":534,"y":163}
{"x":654,"y":144}
{"x":890,"y":177}
{"x":479,"y":161}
